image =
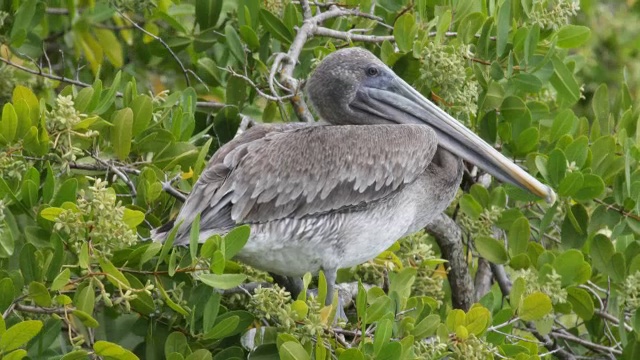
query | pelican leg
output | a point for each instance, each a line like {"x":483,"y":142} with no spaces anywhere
{"x":330,"y":275}
{"x":293,"y":284}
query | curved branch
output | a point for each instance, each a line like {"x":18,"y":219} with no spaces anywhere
{"x":449,"y":237}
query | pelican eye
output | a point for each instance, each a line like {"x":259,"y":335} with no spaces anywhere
{"x":372,"y":71}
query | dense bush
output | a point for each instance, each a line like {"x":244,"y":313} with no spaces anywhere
{"x":110,"y":110}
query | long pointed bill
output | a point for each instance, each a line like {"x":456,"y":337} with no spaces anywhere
{"x":402,"y":104}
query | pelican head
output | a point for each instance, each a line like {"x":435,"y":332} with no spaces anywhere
{"x":353,"y":87}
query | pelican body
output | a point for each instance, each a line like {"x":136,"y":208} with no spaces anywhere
{"x":382,"y":163}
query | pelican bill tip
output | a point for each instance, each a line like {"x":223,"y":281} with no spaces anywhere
{"x":551,"y":196}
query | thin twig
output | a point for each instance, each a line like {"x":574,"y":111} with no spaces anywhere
{"x":164,"y":44}
{"x":39,"y":72}
{"x":588,"y":344}
{"x":123,"y":176}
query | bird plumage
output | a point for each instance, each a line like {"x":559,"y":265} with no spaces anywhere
{"x":326,"y":196}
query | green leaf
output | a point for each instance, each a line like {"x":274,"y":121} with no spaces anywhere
{"x":601,"y":252}
{"x":563,"y":123}
{"x":39,"y":294}
{"x":503,"y":25}
{"x":391,"y":351}
{"x":531,"y":43}
{"x":85,"y":300}
{"x":86,"y":319}
{"x":444,"y":22}
{"x":66,"y":193}
{"x":572,"y":36}
{"x":7,"y":242}
{"x":571,"y":265}
{"x":455,"y":318}
{"x":470,"y":206}
{"x":564,"y":82}
{"x":211,"y":311}
{"x":581,"y":302}
{"x":194,"y":237}
{"x":19,"y":335}
{"x":236,"y":92}
{"x":322,"y":287}
{"x":352,"y":354}
{"x":121,"y":132}
{"x":200,"y":354}
{"x":9,"y":123}
{"x":61,"y":280}
{"x":234,"y":43}
{"x":21,"y":22}
{"x":176,"y":343}
{"x":592,"y":187}
{"x":111,"y":350}
{"x":142,"y":108}
{"x":491,"y":249}
{"x":535,"y":307}
{"x":519,"y":235}
{"x":477,"y":320}
{"x":380,"y":307}
{"x":249,"y":37}
{"x":6,"y":296}
{"x":573,"y":232}
{"x":291,"y":350}
{"x":15,"y":355}
{"x":223,"y":281}
{"x":132,"y":218}
{"x":275,"y":26}
{"x":235,"y":240}
{"x":556,"y":166}
{"x":207,"y":13}
{"x":114,"y":275}
{"x":223,"y":328}
{"x":571,"y":183}
{"x":23,"y":93}
{"x":110,"y":45}
{"x":404,"y":31}
{"x":107,"y":99}
{"x":427,"y":327}
{"x":382,"y":335}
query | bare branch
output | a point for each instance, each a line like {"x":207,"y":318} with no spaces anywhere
{"x":561,"y":334}
{"x":41,"y":310}
{"x":123,"y":176}
{"x":449,"y":238}
{"x":210,"y":105}
{"x":349,"y":36}
{"x":306,"y":9}
{"x":482,"y":281}
{"x":39,"y":72}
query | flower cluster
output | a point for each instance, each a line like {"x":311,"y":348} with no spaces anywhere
{"x":444,"y":72}
{"x":274,"y":305}
{"x":11,"y":168}
{"x":275,"y":6}
{"x":483,"y":226}
{"x":631,"y":292}
{"x":61,"y":124}
{"x":553,"y":14}
{"x":98,"y":218}
{"x":551,"y":286}
{"x":471,"y":348}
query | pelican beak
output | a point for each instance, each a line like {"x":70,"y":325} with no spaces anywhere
{"x":398,"y":102}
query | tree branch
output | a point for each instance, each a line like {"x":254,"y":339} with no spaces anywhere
{"x":449,"y":238}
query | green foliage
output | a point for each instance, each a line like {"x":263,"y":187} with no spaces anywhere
{"x":111,"y":108}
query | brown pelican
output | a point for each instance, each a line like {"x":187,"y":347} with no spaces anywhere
{"x":382,"y":163}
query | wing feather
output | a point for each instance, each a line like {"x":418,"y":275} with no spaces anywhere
{"x":281,"y":171}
